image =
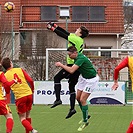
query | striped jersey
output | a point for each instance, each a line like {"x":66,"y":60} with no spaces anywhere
{"x":77,"y":42}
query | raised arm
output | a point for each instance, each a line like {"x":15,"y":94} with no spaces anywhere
{"x":62,"y":33}
{"x":29,"y":80}
{"x":122,"y":65}
{"x":58,"y":30}
{"x":5,"y":83}
{"x":71,"y":69}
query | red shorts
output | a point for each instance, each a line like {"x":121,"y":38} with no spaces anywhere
{"x":24,"y":104}
{"x":4,"y":108}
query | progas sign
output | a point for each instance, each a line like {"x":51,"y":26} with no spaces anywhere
{"x":51,"y":92}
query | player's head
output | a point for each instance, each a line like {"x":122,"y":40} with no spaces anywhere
{"x":72,"y":52}
{"x":6,"y":63}
{"x":82,"y":31}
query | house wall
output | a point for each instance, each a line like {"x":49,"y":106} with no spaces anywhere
{"x":102,"y":41}
{"x":98,"y":41}
{"x":7,"y":16}
{"x":101,"y":34}
{"x":113,"y":14}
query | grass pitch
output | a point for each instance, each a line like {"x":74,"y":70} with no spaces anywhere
{"x":104,"y":119}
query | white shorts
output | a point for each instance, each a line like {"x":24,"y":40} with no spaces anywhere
{"x":87,"y":85}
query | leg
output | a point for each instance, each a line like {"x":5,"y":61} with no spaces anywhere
{"x":24,"y":122}
{"x":28,"y":109}
{"x":27,"y":125}
{"x":5,"y":110}
{"x":79,"y":92}
{"x":84,"y":108}
{"x":130,"y":128}
{"x":83,"y":99}
{"x":85,"y":87}
{"x":73,"y":79}
{"x":24,"y":105}
{"x":57,"y":86}
{"x":28,"y":118}
{"x":9,"y":122}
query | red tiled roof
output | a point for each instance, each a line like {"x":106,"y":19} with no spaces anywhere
{"x":113,"y":14}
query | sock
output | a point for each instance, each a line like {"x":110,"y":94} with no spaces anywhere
{"x":72,"y":100}
{"x":29,"y":120}
{"x":130,"y":128}
{"x":85,"y":113}
{"x":27,"y":125}
{"x":80,"y":105}
{"x":57,"y":88}
{"x":9,"y":124}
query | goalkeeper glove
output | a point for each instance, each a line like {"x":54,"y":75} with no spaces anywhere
{"x":54,"y":25}
{"x":50,"y":26}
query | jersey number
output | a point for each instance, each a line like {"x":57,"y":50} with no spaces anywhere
{"x":17,"y":78}
{"x":87,"y":89}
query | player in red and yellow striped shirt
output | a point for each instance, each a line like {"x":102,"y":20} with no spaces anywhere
{"x":127,"y":62}
{"x":23,"y":92}
{"x":4,"y":108}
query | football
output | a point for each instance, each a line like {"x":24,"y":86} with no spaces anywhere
{"x":9,"y":6}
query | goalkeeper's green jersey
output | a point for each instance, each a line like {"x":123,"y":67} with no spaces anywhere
{"x":77,"y":42}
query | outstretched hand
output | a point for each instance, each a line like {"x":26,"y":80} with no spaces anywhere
{"x":51,"y":26}
{"x":115,"y":86}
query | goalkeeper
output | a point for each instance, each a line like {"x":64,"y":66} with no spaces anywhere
{"x":75,"y":39}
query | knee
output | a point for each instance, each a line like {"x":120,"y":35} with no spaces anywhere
{"x":9,"y":115}
{"x":71,"y":87}
{"x":82,"y":101}
{"x":77,"y":98}
{"x":57,"y":79}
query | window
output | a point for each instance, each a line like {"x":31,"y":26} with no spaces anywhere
{"x":64,"y":12}
{"x":91,"y":53}
{"x":91,"y":14}
{"x":98,"y":52}
{"x":96,"y":13}
{"x":80,"y":13}
{"x":106,"y":53}
{"x":48,"y":13}
{"x":25,"y":44}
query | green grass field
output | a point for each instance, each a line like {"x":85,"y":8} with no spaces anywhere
{"x":104,"y":119}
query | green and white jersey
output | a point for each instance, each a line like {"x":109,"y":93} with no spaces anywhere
{"x":86,"y":68}
{"x":77,"y":42}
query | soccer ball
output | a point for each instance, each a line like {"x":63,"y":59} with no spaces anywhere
{"x":9,"y":6}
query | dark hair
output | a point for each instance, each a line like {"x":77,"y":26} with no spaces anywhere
{"x":6,"y":63}
{"x":84,"y":31}
{"x":72,"y":49}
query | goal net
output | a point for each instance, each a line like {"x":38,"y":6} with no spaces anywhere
{"x":104,"y":60}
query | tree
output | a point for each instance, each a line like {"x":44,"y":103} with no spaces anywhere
{"x":127,"y":40}
{"x":29,"y":47}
